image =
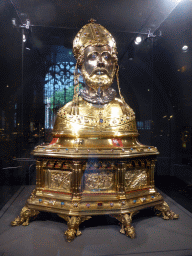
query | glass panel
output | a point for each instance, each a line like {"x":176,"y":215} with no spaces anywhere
{"x":155,"y":80}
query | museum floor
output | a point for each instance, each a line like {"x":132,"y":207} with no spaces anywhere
{"x":100,"y":235}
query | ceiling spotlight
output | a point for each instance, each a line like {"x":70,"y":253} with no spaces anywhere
{"x":24,"y":38}
{"x":27,"y":46}
{"x":14,"y":22}
{"x":27,"y":25}
{"x":185,"y":48}
{"x":138,"y":40}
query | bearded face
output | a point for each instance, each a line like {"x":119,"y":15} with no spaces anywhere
{"x":99,"y":67}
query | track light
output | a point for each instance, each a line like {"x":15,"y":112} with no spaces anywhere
{"x":14,"y":22}
{"x":138,"y":40}
{"x":185,"y":48}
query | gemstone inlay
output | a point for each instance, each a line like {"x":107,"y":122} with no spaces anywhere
{"x":100,"y":204}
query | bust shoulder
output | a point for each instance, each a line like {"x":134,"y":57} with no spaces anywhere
{"x":92,"y":118}
{"x":115,"y":108}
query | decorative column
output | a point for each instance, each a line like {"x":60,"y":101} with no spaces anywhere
{"x":121,"y":168}
{"x":152,"y":170}
{"x":38,"y":177}
{"x":76,"y":181}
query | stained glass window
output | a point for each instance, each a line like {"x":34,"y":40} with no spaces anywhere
{"x":58,"y":89}
{"x":146,"y":125}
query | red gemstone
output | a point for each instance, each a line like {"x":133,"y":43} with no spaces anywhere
{"x":100,"y":204}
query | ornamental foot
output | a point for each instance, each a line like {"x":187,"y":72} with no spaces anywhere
{"x":78,"y":233}
{"x":164,"y":210}
{"x":73,"y":225}
{"x":126,"y":227}
{"x":122,"y":230}
{"x":24,"y":217}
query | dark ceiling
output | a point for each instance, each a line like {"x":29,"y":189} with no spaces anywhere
{"x":53,"y":19}
{"x":127,"y":16}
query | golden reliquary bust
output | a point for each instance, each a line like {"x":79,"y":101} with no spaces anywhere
{"x":95,"y":164}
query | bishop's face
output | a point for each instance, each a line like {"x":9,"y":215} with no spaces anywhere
{"x":99,"y":67}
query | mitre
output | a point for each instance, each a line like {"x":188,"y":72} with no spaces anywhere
{"x":92,"y":34}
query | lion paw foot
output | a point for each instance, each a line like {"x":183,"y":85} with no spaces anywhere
{"x":16,"y":222}
{"x":78,"y":233}
{"x":130,"y":231}
{"x":122,"y":231}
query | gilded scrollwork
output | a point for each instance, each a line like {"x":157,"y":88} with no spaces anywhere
{"x":60,"y":180}
{"x":124,"y":120}
{"x":100,"y":180}
{"x":135,"y":179}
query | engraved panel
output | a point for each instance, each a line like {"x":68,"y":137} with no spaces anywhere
{"x":135,"y":179}
{"x":59,"y":180}
{"x":103,"y":180}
